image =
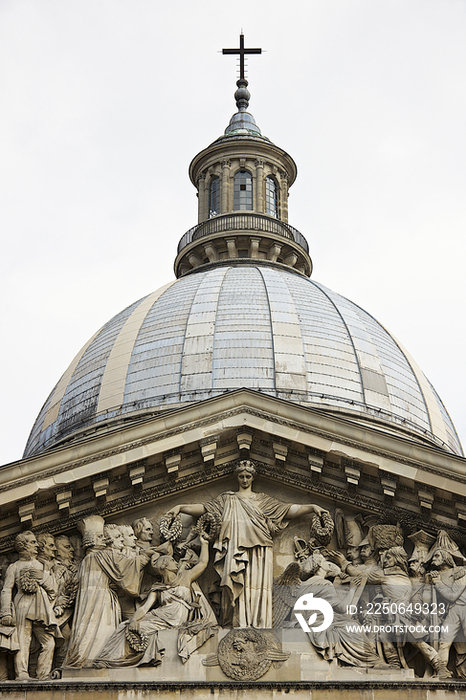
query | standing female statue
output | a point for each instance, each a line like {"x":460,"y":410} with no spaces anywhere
{"x":244,"y":555}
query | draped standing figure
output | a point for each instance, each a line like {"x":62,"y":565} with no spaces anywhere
{"x":244,"y":547}
{"x":97,"y":611}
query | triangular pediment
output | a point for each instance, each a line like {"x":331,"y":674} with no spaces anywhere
{"x":156,"y":460}
{"x":322,"y":484}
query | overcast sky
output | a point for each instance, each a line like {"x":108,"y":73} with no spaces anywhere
{"x":104,"y":103}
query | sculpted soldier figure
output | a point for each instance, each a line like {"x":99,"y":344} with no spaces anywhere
{"x":398,"y":591}
{"x":349,"y":532}
{"x":450,"y":584}
{"x":32,"y":611}
{"x":341,"y":640}
{"x":366,"y":557}
{"x":368,"y":562}
{"x":66,"y":575}
{"x":243,"y":547}
{"x":422,"y":541}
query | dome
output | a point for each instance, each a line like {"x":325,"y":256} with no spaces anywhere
{"x":243,"y":313}
{"x":246,"y":324}
{"x":243,"y":123}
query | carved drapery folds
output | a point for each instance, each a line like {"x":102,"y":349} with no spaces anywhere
{"x":242,"y":560}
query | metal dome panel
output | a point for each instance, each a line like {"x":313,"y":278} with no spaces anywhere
{"x":254,"y":325}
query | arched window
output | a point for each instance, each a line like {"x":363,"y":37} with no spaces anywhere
{"x":214,"y":197}
{"x":242,"y":191}
{"x":271,"y":196}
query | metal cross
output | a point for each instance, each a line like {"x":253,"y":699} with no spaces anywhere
{"x":241,"y":51}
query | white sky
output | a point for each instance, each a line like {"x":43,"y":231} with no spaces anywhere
{"x":105,"y":102}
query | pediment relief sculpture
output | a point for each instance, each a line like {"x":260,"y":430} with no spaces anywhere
{"x":243,"y":548}
{"x":231,"y":566}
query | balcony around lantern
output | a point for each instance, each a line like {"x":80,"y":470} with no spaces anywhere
{"x":240,"y":221}
{"x":280,"y":242}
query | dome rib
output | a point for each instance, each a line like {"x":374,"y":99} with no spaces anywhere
{"x":112,"y":387}
{"x":415,"y":374}
{"x":155,"y":366}
{"x":196,"y":370}
{"x":390,"y":374}
{"x":289,"y":353}
{"x":271,"y":329}
{"x":193,"y":300}
{"x":254,"y":325}
{"x":243,"y":339}
{"x":406,"y":356}
{"x":440,"y":424}
{"x":348,"y":334}
{"x":215,"y":334}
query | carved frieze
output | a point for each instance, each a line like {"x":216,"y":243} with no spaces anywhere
{"x":228,"y":561}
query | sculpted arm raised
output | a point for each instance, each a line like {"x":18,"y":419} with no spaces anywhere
{"x":295,"y":510}
{"x":450,"y":591}
{"x":201,"y":565}
{"x":194,"y":509}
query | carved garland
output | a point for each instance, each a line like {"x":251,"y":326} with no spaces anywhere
{"x":28,"y":579}
{"x":322,"y":527}
{"x":137,"y":640}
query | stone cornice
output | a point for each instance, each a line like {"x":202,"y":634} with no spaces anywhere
{"x":308,"y":426}
{"x":336,"y":494}
{"x":85,"y":685}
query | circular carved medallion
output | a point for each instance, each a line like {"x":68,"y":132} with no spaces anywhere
{"x":247,"y":654}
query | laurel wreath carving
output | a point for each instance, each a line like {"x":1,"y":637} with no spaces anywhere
{"x":28,"y":584}
{"x":208,"y":526}
{"x":322,"y":527}
{"x":170,"y":527}
{"x":137,"y":640}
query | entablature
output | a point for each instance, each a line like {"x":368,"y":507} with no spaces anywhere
{"x":333,"y":459}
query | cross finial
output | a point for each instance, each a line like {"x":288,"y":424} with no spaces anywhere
{"x":241,"y":51}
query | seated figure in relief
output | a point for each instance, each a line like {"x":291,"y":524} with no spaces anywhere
{"x":177,"y":602}
{"x":342,"y":641}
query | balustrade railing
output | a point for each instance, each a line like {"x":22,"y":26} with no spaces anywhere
{"x":242,"y":222}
